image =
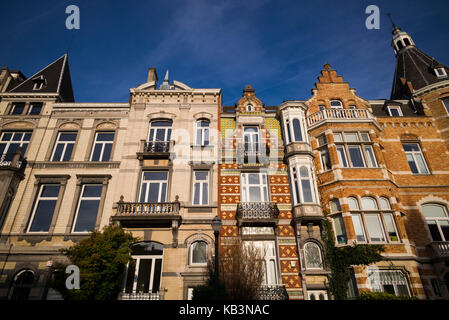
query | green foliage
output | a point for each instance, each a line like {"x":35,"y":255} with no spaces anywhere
{"x":208,"y":290}
{"x":383,"y":296}
{"x":102,"y":259}
{"x":341,"y":258}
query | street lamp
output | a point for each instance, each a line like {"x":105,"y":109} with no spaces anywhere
{"x":216,"y":226}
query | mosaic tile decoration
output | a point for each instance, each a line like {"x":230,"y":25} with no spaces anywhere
{"x":274,"y":126}
{"x":227,"y":126}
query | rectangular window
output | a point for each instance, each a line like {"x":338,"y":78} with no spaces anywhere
{"x":370,"y":158}
{"x":415,"y":158}
{"x":35,"y":108}
{"x":391,"y":227}
{"x":339,"y":229}
{"x":390,"y":281}
{"x":10,"y":141}
{"x":342,"y":156}
{"x":44,"y":208}
{"x":154,"y":186}
{"x":358,"y":227}
{"x":355,"y":153}
{"x":375,"y":230}
{"x":64,"y":146}
{"x":102,"y":148}
{"x":254,"y":187}
{"x":395,"y":111}
{"x":365,"y":136}
{"x":201,"y":187}
{"x":17,"y":108}
{"x":351,"y":137}
{"x":87,"y":209}
{"x":325,"y":159}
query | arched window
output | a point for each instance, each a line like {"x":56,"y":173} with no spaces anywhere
{"x":336,"y":104}
{"x":400,"y":44}
{"x":202,"y":132}
{"x":143,"y":274}
{"x":353,"y":203}
{"x":369,"y":203}
{"x":306,"y":184}
{"x":384,"y":204}
{"x":312,"y":256}
{"x":160,"y":130}
{"x":407,"y":42}
{"x":22,"y":284}
{"x":436,"y":216}
{"x":297,"y":130}
{"x":249,"y":108}
{"x":198,"y":252}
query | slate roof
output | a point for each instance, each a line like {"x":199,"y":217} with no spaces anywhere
{"x":416,"y":67}
{"x":56,"y":77}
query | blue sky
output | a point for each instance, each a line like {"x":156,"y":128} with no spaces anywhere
{"x":279,"y":47}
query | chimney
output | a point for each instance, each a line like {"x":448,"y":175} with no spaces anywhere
{"x":152,"y":75}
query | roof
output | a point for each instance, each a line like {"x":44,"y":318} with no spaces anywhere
{"x":56,"y":78}
{"x":414,"y":66}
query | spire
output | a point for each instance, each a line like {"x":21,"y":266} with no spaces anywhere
{"x":414,"y":69}
{"x":166,"y":83}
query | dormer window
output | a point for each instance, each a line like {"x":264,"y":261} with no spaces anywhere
{"x":395,"y":111}
{"x":440,"y":72}
{"x":249,"y":108}
{"x":39,"y":83}
{"x":336,"y":104}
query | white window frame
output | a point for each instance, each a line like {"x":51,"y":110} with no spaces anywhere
{"x":397,"y":108}
{"x":14,"y":106}
{"x":445,"y":103}
{"x":436,"y":219}
{"x":81,"y":198}
{"x":201,"y":182}
{"x":103,"y":143}
{"x":444,"y":74}
{"x":307,"y":267}
{"x":161,"y":183}
{"x":38,"y":85}
{"x":267,"y":248}
{"x":65,"y":143}
{"x":295,"y":174}
{"x":413,"y":155}
{"x":21,"y":141}
{"x":253,"y":139}
{"x":264,"y":189}
{"x":136,"y":271}
{"x":167,"y":129}
{"x":336,"y":107}
{"x":202,"y":131}
{"x":396,"y":291}
{"x":36,"y":204}
{"x":364,"y":145}
{"x":33,"y":105}
{"x":344,"y":233}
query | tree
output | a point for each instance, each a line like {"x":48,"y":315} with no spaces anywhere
{"x":241,"y":274}
{"x":102,"y":259}
{"x":341,"y":258}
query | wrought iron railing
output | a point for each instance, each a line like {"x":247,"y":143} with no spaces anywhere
{"x":273,"y":292}
{"x":257,"y":210}
{"x":252,"y":152}
{"x":440,"y":248}
{"x":143,"y":295}
{"x":339,"y":114}
{"x":156,"y":146}
{"x":144,"y":208}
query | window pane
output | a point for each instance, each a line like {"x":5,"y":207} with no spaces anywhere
{"x":254,"y":194}
{"x":92,"y":191}
{"x":254,"y":178}
{"x":97,"y":152}
{"x":43,"y":216}
{"x":18,"y":108}
{"x":153,"y":192}
{"x":444,"y":225}
{"x":130,"y":276}
{"x":199,"y":137}
{"x":155,"y":175}
{"x":369,"y":204}
{"x":356,"y":156}
{"x":336,"y":104}
{"x":297,"y":130}
{"x":351,"y":137}
{"x":335,"y":206}
{"x":143,"y":277}
{"x":306,"y":190}
{"x":394,"y":112}
{"x":433,"y":228}
{"x":374,"y":227}
{"x":105,"y":136}
{"x":157,"y":275}
{"x":434,"y":211}
{"x":205,"y":194}
{"x":107,"y":152}
{"x":390,"y":225}
{"x":312,"y":255}
{"x":337,"y":137}
{"x":353,"y":204}
{"x":365,"y":136}
{"x":35,"y":109}
{"x":410,"y":147}
{"x":370,"y":156}
{"x":143,"y":192}
{"x":161,"y":124}
{"x":199,"y":252}
{"x":163,"y":192}
{"x":67,"y":137}
{"x":322,"y":140}
{"x":87,"y":215}
{"x":342,"y":156}
{"x":340,"y":231}
{"x":196,"y":195}
{"x":446,"y":105}
{"x":411,"y":163}
{"x":358,"y":227}
{"x":325,"y":159}
{"x":68,"y":152}
{"x":384,"y":204}
{"x":201,"y":175}
{"x":421,"y":164}
{"x":50,"y":191}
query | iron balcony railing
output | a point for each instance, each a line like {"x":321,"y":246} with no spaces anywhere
{"x":156,"y":146}
{"x":273,"y":292}
{"x":252,"y":152}
{"x":339,"y":114}
{"x":143,"y":295}
{"x":257,"y":210}
{"x":147,"y":209}
{"x":439,"y":249}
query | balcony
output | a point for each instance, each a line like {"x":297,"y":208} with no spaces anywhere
{"x":339,"y":115}
{"x":142,"y":295}
{"x":257,"y":213}
{"x":273,"y":292}
{"x":252,"y":153}
{"x":144,"y":213}
{"x":155,"y":149}
{"x":439,"y":249}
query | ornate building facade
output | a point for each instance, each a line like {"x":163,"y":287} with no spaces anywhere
{"x":164,"y":164}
